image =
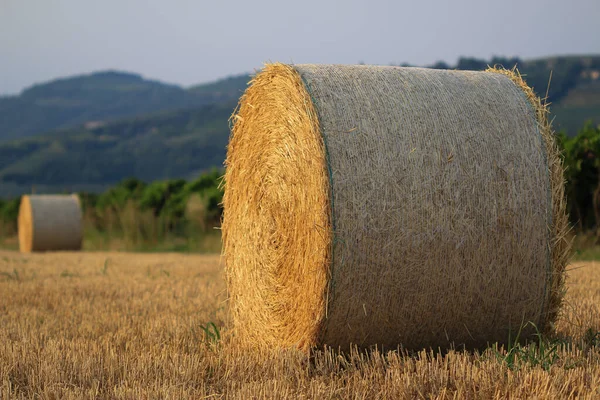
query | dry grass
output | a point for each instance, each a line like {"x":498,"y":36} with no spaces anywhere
{"x":118,"y":325}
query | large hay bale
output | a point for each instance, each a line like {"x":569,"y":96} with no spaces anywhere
{"x":391,"y":206}
{"x":50,"y":223}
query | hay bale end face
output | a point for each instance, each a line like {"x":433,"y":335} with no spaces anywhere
{"x":391,"y":206}
{"x":50,"y":223}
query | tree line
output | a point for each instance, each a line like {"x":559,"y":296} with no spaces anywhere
{"x":581,"y":159}
{"x":149,"y":211}
{"x":143,"y":212}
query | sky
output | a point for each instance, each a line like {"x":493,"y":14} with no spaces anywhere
{"x":187,"y":42}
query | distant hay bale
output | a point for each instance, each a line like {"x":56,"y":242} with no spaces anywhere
{"x":392,"y":206}
{"x":50,"y":223}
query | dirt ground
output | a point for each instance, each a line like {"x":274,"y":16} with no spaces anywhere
{"x":136,"y":326}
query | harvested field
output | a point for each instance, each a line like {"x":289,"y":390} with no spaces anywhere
{"x":119,"y":325}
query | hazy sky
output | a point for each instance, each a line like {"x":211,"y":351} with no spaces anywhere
{"x":192,"y":41}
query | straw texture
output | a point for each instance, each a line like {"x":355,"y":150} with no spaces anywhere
{"x":391,"y":206}
{"x":49,"y":223}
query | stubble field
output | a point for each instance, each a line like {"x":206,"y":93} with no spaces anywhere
{"x":149,"y":326}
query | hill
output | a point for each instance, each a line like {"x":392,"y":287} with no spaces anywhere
{"x":103,"y":96}
{"x":176,"y":144}
{"x":184,"y":137}
{"x":574,"y":94}
{"x":227,"y":89}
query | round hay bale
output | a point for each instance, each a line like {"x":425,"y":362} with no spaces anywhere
{"x":50,"y":223}
{"x":391,"y":206}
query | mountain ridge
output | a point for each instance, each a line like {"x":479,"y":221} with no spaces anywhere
{"x":179,"y":142}
{"x":102,"y":96}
